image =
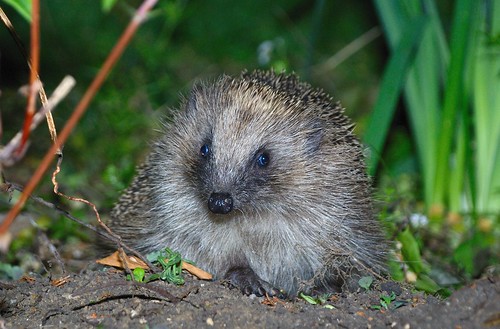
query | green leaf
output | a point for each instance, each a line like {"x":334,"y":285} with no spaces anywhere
{"x":466,"y":254}
{"x":365,"y":282}
{"x":396,"y":270}
{"x":23,"y":7}
{"x":171,"y":263}
{"x":107,"y":5}
{"x":139,"y":274}
{"x":391,"y":86}
{"x":485,"y":83}
{"x":424,"y":78}
{"x":465,"y":12}
{"x":10,"y":272}
{"x":311,"y":300}
{"x":388,"y":298}
{"x":425,"y":283}
{"x":317,"y":300}
{"x":411,"y":251}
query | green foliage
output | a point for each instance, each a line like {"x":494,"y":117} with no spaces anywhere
{"x":63,"y":229}
{"x":385,"y":301}
{"x":171,"y":263}
{"x":23,"y":7}
{"x":452,"y":102}
{"x":10,"y":272}
{"x":317,"y":300}
{"x":412,"y":235}
{"x":388,"y":302}
{"x":410,"y":251}
{"x":107,"y":5}
{"x":392,"y":83}
{"x":139,"y":274}
{"x":474,"y":253}
{"x":443,"y":131}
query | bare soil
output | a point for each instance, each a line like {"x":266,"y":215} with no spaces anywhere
{"x":101,"y":297}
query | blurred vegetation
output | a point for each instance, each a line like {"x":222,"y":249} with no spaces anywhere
{"x":449,"y":76}
{"x":350,"y":49}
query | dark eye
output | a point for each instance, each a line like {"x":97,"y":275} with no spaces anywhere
{"x":205,"y":150}
{"x":263,"y":160}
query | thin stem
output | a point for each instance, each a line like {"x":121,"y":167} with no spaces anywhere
{"x":79,"y":110}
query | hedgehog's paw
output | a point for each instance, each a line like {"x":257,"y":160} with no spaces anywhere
{"x":249,"y":283}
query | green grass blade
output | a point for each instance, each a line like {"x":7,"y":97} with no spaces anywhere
{"x":391,"y":86}
{"x":393,"y":16}
{"x":486,"y":106}
{"x":453,"y":97}
{"x":23,"y":7}
{"x":457,"y":175}
{"x":422,"y":88}
{"x":437,"y":27}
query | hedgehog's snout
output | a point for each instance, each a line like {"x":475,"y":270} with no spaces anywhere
{"x":220,"y":203}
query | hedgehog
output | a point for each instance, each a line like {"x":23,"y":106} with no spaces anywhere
{"x":259,"y":180}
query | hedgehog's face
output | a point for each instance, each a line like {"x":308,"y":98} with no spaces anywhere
{"x":222,"y":196}
{"x":235,"y":169}
{"x":248,"y":151}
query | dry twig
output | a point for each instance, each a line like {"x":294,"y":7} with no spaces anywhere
{"x":7,"y":186}
{"x":8,"y":155}
{"x":80,"y":109}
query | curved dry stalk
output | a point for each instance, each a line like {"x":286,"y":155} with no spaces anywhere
{"x":88,"y":203}
{"x":8,"y":187}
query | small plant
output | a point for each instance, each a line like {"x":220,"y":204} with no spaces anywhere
{"x":10,"y":272}
{"x":171,"y":263}
{"x":139,"y":274}
{"x":385,"y":301}
{"x":388,"y":302}
{"x":317,"y":300}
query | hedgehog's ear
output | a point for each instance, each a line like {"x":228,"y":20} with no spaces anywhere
{"x":314,"y":137}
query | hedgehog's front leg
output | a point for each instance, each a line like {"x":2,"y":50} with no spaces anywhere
{"x":244,"y":278}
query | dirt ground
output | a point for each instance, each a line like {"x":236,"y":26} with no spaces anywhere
{"x":101,"y":297}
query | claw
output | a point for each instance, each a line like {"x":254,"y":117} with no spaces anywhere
{"x":249,"y":283}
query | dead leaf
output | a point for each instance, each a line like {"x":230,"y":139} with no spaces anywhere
{"x":133,"y":262}
{"x":26,"y":278}
{"x":115,"y":261}
{"x":196,"y":271}
{"x":60,"y":282}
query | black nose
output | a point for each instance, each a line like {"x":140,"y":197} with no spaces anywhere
{"x":220,"y":203}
